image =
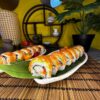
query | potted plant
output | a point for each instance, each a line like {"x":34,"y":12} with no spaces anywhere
{"x":91,"y":21}
{"x":86,"y":20}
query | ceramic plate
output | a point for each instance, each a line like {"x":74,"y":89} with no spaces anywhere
{"x":63,"y":76}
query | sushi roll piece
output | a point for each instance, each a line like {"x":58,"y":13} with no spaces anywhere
{"x":77,"y":53}
{"x":2,"y":60}
{"x":55,"y":64}
{"x":32,"y":51}
{"x":37,"y":50}
{"x":41,"y":66}
{"x":42,"y":49}
{"x":74,"y":55}
{"x":9,"y":57}
{"x":26,"y":54}
{"x":19,"y":55}
{"x":68,"y":55}
{"x":61,"y":58}
{"x":81,"y":49}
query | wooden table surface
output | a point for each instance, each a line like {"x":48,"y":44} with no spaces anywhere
{"x":82,"y":85}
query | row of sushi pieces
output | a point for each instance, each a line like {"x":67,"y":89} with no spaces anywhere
{"x":47,"y":65}
{"x":22,"y":55}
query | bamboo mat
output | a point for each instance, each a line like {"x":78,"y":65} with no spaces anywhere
{"x":82,"y":85}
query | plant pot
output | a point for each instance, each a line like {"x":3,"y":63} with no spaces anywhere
{"x":84,"y":39}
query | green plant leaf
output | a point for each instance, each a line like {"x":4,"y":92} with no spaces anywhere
{"x":86,"y":8}
{"x":93,"y":21}
{"x":73,"y":4}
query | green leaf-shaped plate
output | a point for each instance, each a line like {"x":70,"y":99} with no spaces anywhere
{"x":18,"y":70}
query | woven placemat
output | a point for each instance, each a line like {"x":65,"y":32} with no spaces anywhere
{"x":82,"y":85}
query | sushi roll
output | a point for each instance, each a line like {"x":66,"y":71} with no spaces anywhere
{"x":41,"y":66}
{"x":19,"y":55}
{"x":68,"y":55}
{"x":61,"y":58}
{"x":55,"y":64}
{"x":2,"y":60}
{"x":26,"y":54}
{"x":9,"y":57}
